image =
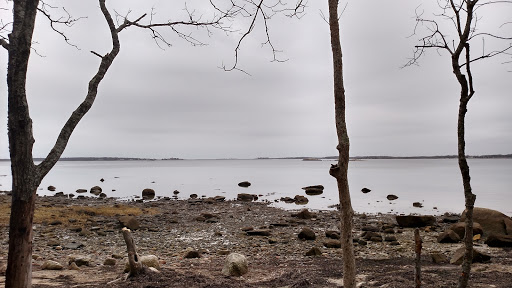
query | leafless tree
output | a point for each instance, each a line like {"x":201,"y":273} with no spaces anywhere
{"x":463,"y":16}
{"x":340,"y":170}
{"x":26,"y":175}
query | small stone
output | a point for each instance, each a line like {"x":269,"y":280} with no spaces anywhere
{"x":439,"y":258}
{"x":109,"y":262}
{"x":244,"y":184}
{"x":51,"y":265}
{"x":391,"y":197}
{"x":417,"y":205}
{"x":365,"y":190}
{"x":307,"y":234}
{"x":331,"y":243}
{"x":314,"y":252}
{"x":192,"y":254}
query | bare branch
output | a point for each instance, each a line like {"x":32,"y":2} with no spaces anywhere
{"x":66,"y":20}
{"x":4,"y":44}
{"x":106,"y":61}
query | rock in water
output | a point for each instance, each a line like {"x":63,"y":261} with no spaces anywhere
{"x":417,"y":205}
{"x":314,"y":191}
{"x":391,"y":197}
{"x":235,"y":265}
{"x":148,"y":194}
{"x":321,"y":187}
{"x":300,"y":200}
{"x":244,"y":184}
{"x":96,"y":190}
{"x":246,"y":197}
{"x":365,"y":190}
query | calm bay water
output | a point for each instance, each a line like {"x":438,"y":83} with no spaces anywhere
{"x":435,"y":183}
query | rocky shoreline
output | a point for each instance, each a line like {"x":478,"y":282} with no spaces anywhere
{"x":191,"y":238}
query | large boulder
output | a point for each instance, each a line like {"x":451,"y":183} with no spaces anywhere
{"x":235,"y":265}
{"x":494,"y":240}
{"x":413,"y":221}
{"x":492,"y":221}
{"x":244,"y":197}
{"x":96,"y":190}
{"x":148,"y":194}
{"x":460,"y":229}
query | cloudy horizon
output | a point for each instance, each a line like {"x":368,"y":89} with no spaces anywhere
{"x":177,"y":102}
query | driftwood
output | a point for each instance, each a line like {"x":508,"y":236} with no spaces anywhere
{"x":417,"y":272}
{"x":136,"y":267}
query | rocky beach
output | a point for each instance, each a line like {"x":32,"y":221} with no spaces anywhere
{"x":78,"y":243}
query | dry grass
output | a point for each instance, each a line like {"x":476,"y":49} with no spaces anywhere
{"x":47,"y":214}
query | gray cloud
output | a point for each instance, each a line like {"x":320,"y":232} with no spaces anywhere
{"x":177,"y":102}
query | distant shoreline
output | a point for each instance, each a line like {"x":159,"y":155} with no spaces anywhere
{"x":491,"y":156}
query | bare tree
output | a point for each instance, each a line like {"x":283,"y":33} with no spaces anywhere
{"x":462,"y":15}
{"x":26,"y":175}
{"x":340,"y":170}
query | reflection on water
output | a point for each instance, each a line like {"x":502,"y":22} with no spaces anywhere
{"x":434,"y":183}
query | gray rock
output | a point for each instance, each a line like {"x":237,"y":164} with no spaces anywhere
{"x":448,"y":236}
{"x":81,"y":190}
{"x":494,"y":240}
{"x":332,"y":234}
{"x":304,"y":214}
{"x":478,"y":257}
{"x":245,"y":197}
{"x":492,"y":221}
{"x":244,"y":184}
{"x":96,"y":190}
{"x":259,"y":232}
{"x":300,"y":200}
{"x":148,"y":194}
{"x":129,"y":222}
{"x":110,"y":262}
{"x":439,"y":258}
{"x":235,"y":265}
{"x":307,"y":234}
{"x":391,"y":197}
{"x":460,"y":229}
{"x":314,"y":251}
{"x":80,"y":260}
{"x":51,"y":265}
{"x":314,"y":191}
{"x":331,"y":243}
{"x":192,"y":254}
{"x":52,"y":188}
{"x":417,"y":205}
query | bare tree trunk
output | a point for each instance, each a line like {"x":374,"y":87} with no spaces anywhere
{"x":469,"y":199}
{"x":340,"y":171}
{"x":418,"y":246}
{"x":26,"y":176}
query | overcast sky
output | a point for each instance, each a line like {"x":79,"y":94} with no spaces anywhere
{"x":177,"y":102}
